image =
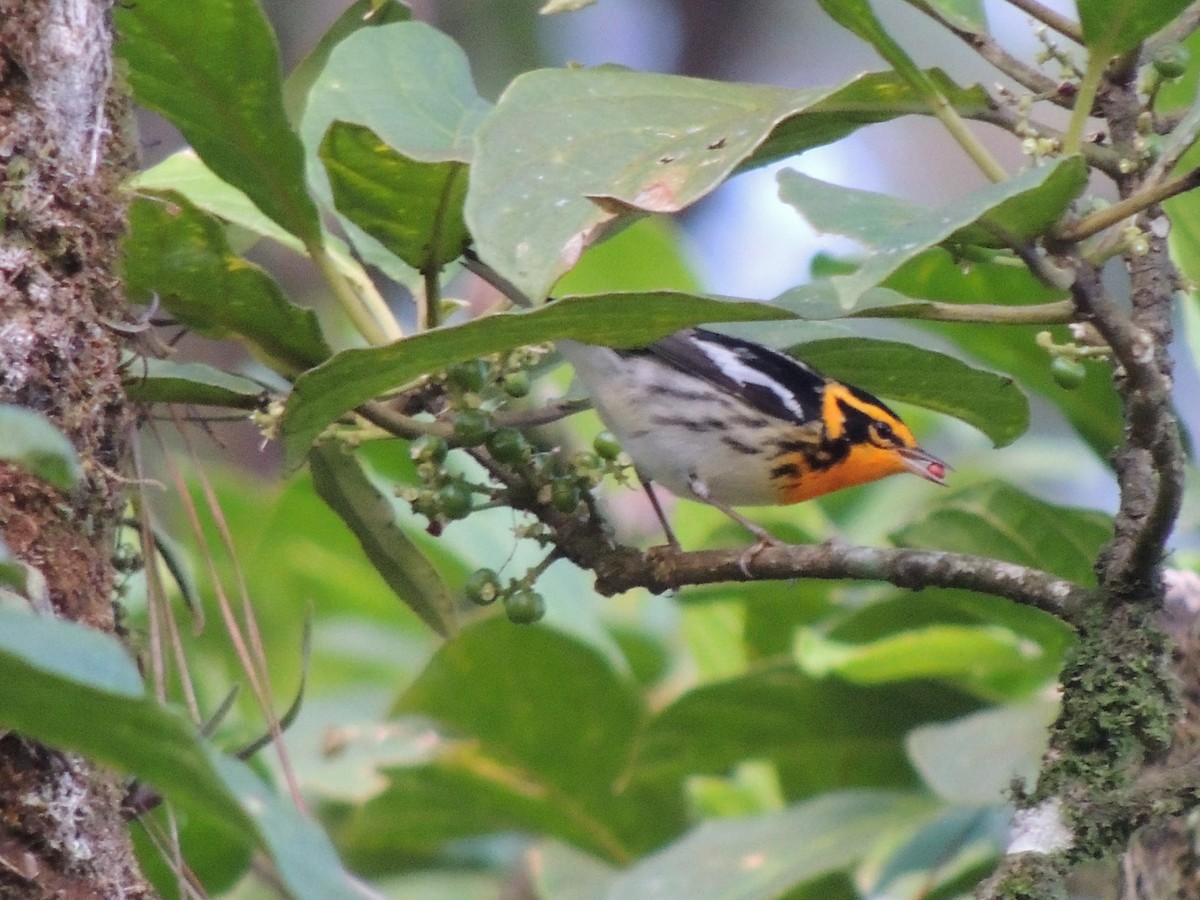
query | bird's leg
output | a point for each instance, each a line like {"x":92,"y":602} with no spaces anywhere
{"x":672,"y":541}
{"x":764,"y":538}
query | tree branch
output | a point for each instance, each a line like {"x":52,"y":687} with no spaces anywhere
{"x":1064,"y":26}
{"x":1080,"y":229}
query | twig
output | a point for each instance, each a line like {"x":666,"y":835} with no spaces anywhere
{"x":1060,"y":23}
{"x":982,"y":43}
{"x":1058,"y":312}
{"x":1180,"y":28}
{"x":473,"y":264}
{"x":1072,"y":232}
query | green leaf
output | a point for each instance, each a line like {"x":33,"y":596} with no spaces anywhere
{"x":966,"y":15}
{"x":827,"y":733}
{"x":958,"y":277}
{"x":990,"y":402}
{"x":998,"y":520}
{"x":185,"y":173}
{"x":646,"y":256}
{"x":355,"y":376}
{"x":968,"y":654}
{"x":1111,"y":27}
{"x":412,"y":208}
{"x":566,"y":151}
{"x":768,"y":856}
{"x":1042,"y":638}
{"x":149,"y":380}
{"x":534,"y":731}
{"x":359,"y":15}
{"x":212,"y":68}
{"x":341,"y":482}
{"x":77,"y":689}
{"x":1093,"y":409}
{"x":943,"y":857}
{"x":30,"y":440}
{"x":872,"y":219}
{"x":1013,"y":210}
{"x":177,"y":252}
{"x":408,"y":83}
{"x":973,"y":760}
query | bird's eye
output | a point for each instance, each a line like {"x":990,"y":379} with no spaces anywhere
{"x":884,"y":433}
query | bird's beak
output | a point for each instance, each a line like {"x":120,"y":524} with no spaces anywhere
{"x":928,"y":466}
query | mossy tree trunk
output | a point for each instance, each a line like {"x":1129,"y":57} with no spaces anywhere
{"x":62,"y":155}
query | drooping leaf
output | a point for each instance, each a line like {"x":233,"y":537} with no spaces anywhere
{"x":1111,"y":27}
{"x":78,"y":689}
{"x":30,"y":440}
{"x":565,"y":151}
{"x":413,"y":208}
{"x":212,"y":68}
{"x":176,"y":251}
{"x":990,"y":402}
{"x":341,"y":482}
{"x":355,"y":376}
{"x":149,"y":380}
{"x":998,"y":520}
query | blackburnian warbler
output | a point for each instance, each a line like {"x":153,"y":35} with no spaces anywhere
{"x":732,"y":423}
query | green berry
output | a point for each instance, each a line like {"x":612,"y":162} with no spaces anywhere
{"x":471,"y":375}
{"x":564,"y":495}
{"x":524,"y":607}
{"x":454,"y":500}
{"x":428,"y":448}
{"x":516,"y":384}
{"x":507,"y":445}
{"x":470,"y":427}
{"x":425,"y":504}
{"x":606,"y":445}
{"x":483,"y":587}
{"x":1068,"y":373}
{"x":1171,"y":60}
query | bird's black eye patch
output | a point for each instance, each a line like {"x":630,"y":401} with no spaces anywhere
{"x":884,"y":434}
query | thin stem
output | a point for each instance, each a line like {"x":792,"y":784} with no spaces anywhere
{"x":369,"y":314}
{"x":432,"y":308}
{"x":1130,"y":206}
{"x":1060,"y":23}
{"x":982,"y":43}
{"x":408,"y":427}
{"x":1082,"y":111}
{"x":476,"y":266}
{"x":1059,"y":312}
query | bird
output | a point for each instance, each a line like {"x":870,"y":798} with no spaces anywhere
{"x":732,"y":423}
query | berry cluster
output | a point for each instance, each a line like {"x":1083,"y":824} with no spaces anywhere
{"x":475,"y":394}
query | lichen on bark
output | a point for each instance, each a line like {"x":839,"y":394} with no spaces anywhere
{"x":61,"y":161}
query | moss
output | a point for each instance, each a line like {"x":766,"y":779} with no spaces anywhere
{"x":1119,"y":705}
